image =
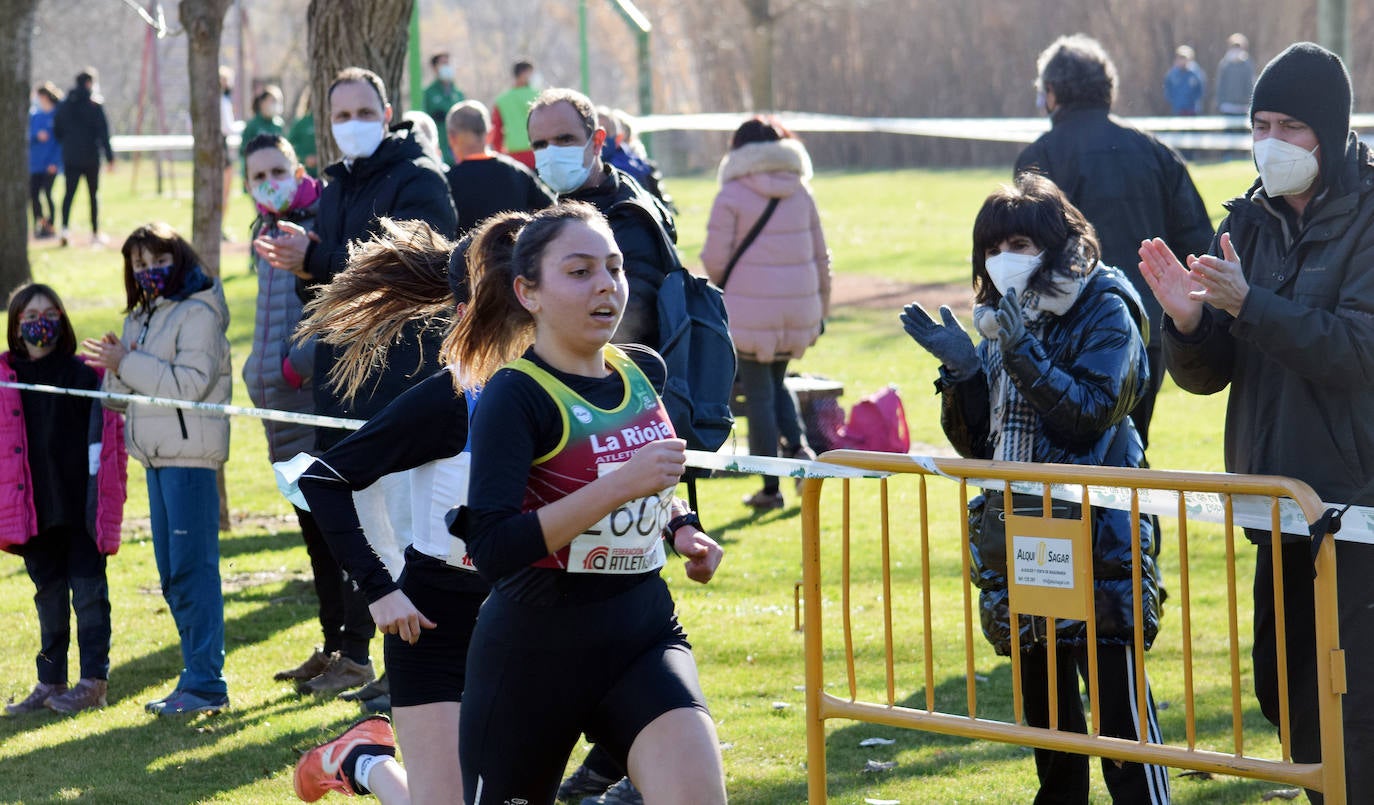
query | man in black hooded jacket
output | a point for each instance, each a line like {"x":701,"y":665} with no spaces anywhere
{"x":84,"y":133}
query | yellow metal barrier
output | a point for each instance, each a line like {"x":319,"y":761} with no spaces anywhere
{"x":1327,"y":776}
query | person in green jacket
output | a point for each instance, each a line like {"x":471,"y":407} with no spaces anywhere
{"x":302,"y":139}
{"x":510,"y":111}
{"x":440,"y":96}
{"x":266,"y":120}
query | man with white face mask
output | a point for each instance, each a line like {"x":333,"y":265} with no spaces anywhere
{"x":383,"y":173}
{"x":567,"y":144}
{"x":1282,"y":310}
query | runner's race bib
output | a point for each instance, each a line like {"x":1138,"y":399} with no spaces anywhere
{"x":628,"y":540}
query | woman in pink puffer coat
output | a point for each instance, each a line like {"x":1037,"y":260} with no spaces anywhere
{"x":778,"y":292}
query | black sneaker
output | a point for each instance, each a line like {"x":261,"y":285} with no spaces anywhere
{"x":622,"y":793}
{"x":581,"y":783}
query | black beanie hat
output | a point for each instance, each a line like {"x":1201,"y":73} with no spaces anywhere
{"x":1310,"y":83}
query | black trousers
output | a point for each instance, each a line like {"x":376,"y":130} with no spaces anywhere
{"x":344,"y":618}
{"x":1144,"y":410}
{"x":1064,"y":775}
{"x":40,"y":189}
{"x":74,"y":174}
{"x":68,"y":573}
{"x":1355,"y":569}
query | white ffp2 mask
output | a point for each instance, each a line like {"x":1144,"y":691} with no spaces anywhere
{"x":1011,"y":270}
{"x":1284,"y":168}
{"x":358,"y":139}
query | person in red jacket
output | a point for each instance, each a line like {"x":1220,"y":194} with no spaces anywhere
{"x":62,"y":490}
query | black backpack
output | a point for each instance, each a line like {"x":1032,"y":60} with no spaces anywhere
{"x":694,"y":340}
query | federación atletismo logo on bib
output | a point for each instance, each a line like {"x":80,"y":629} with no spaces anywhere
{"x":583,"y":415}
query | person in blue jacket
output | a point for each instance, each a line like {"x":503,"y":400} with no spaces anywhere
{"x":45,"y":157}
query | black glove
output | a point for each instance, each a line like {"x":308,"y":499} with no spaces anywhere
{"x":948,"y":342}
{"x":1011,"y":324}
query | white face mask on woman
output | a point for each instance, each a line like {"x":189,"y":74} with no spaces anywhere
{"x":1012,"y":270}
{"x":358,"y":139}
{"x":1284,"y":168}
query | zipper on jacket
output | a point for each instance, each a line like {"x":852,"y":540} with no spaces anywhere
{"x":181,"y":420}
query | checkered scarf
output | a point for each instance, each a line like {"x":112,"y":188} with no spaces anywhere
{"x":1015,"y":422}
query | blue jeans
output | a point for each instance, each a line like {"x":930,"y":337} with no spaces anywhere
{"x":184,"y":504}
{"x":68,"y":573}
{"x":771,"y":410}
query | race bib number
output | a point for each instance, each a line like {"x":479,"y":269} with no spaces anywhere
{"x":628,"y":540}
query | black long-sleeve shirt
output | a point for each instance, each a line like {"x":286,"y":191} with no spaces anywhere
{"x":516,"y":422}
{"x":58,"y":428}
{"x":426,"y":423}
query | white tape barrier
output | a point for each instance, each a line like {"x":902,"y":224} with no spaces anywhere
{"x":1210,"y":132}
{"x":1357,"y":524}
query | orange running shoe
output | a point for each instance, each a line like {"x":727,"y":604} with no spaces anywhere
{"x":321,"y":770}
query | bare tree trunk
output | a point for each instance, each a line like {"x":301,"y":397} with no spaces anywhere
{"x":762,"y":23}
{"x":204,"y":22}
{"x":354,"y":33}
{"x":15,"y":42}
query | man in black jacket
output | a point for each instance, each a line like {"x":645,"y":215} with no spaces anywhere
{"x":1129,"y":184}
{"x":80,"y":126}
{"x":384,"y":173}
{"x":567,"y":153}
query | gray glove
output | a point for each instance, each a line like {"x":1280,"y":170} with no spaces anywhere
{"x":948,"y":342}
{"x":1011,"y":324}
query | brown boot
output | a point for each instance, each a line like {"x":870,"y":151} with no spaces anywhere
{"x":86,"y":694}
{"x":309,"y":669}
{"x":37,"y":699}
{"x":341,"y":675}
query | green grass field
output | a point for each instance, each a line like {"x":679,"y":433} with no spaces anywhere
{"x":893,"y":227}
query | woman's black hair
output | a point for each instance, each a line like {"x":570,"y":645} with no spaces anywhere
{"x":158,"y":238}
{"x":1034,"y":207}
{"x":20,"y":299}
{"x":759,"y":129}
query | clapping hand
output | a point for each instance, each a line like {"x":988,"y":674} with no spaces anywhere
{"x":1011,"y":324}
{"x":947,"y":342}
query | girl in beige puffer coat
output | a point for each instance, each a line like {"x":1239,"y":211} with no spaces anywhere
{"x":778,"y":291}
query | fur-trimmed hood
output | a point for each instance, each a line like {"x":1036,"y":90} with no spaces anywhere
{"x":781,"y":156}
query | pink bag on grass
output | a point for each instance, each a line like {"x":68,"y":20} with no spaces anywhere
{"x":877,"y":423}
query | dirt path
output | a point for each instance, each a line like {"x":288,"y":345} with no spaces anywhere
{"x":875,"y":293}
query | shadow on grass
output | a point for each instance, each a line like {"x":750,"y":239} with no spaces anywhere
{"x":260,"y":542}
{"x":182,"y":759}
{"x":943,"y":760}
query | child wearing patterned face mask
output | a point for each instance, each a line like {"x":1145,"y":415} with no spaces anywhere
{"x":65,"y":457}
{"x":174,"y":345}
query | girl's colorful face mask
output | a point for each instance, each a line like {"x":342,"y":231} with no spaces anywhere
{"x":153,"y":279}
{"x":41,"y":331}
{"x":276,"y":194}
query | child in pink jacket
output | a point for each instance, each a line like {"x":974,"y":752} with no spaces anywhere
{"x":62,"y":489}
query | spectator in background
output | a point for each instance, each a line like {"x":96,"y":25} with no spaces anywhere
{"x":174,"y":345}
{"x":65,"y":454}
{"x":440,"y":96}
{"x":266,"y":119}
{"x":509,"y":116}
{"x":1281,"y":310}
{"x":80,"y":126}
{"x":1235,"y":77}
{"x":227,"y":124}
{"x":618,"y":154}
{"x":1061,"y":361}
{"x":1128,"y":184}
{"x":567,"y":146}
{"x":777,"y":286}
{"x":45,"y":157}
{"x":383,"y":173}
{"x":1185,"y":83}
{"x":302,"y":134}
{"x":424,"y":131}
{"x":484,"y":182}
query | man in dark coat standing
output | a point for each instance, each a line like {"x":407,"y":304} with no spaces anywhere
{"x":384,"y":173}
{"x":80,"y":126}
{"x":1281,"y":310}
{"x":1129,"y":184}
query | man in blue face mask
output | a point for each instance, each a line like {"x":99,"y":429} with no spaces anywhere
{"x":1281,"y":309}
{"x":567,"y":146}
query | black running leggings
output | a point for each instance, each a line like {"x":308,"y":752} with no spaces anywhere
{"x":40,"y":187}
{"x":74,"y":175}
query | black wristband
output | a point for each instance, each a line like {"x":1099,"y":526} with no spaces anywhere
{"x":689,"y":518}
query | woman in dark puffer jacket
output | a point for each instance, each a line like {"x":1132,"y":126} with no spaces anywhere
{"x":1061,"y":364}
